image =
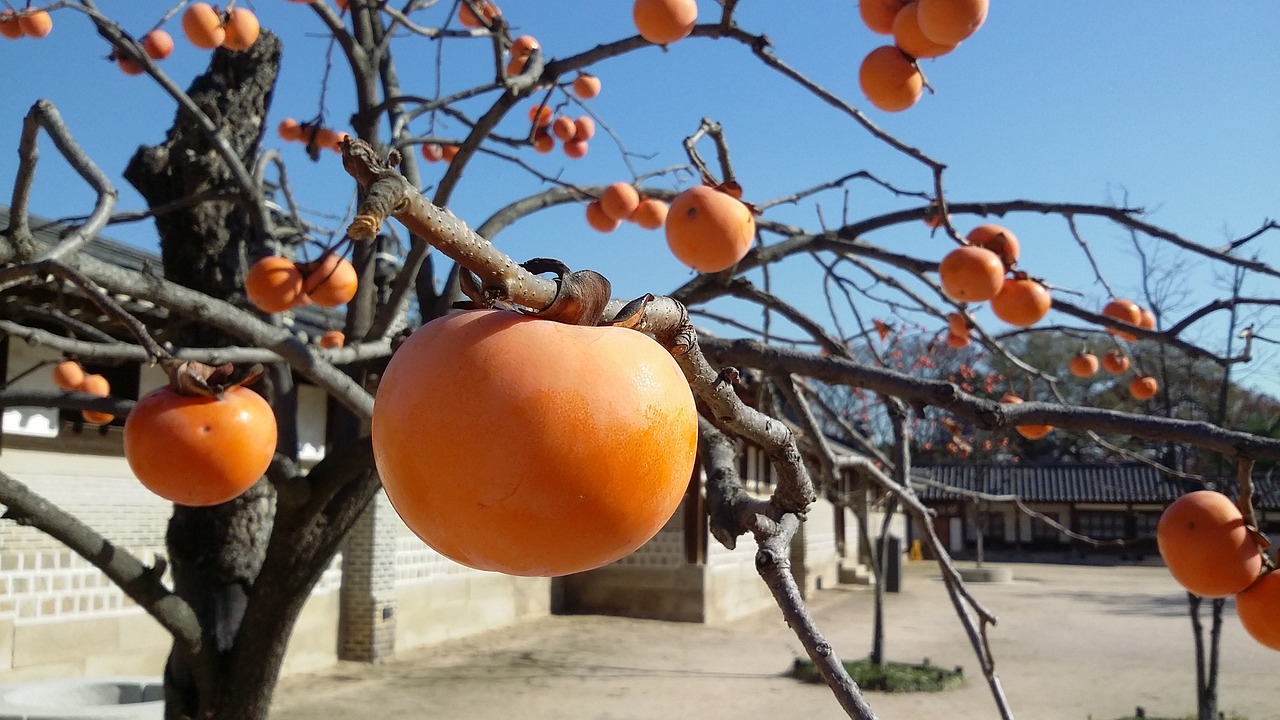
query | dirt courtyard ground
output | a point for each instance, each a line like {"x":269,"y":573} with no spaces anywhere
{"x":1073,"y":642}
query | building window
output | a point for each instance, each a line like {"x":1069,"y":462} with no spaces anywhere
{"x":993,"y":526}
{"x":1042,"y":531}
{"x":1101,"y":525}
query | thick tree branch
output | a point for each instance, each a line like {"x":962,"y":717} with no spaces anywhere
{"x":987,"y":414}
{"x":142,"y":583}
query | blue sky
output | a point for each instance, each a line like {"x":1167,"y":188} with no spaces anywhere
{"x":1081,"y":102}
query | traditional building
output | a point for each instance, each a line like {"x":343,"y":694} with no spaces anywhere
{"x":386,"y":590}
{"x":1107,"y":502}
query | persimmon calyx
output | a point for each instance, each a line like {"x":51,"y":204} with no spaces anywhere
{"x":187,"y":377}
{"x":581,"y":295}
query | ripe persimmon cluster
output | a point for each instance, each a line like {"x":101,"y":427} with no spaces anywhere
{"x":275,"y":284}
{"x":890,"y":75}
{"x":70,"y":376}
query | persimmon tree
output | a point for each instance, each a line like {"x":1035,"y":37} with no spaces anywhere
{"x":221,"y":201}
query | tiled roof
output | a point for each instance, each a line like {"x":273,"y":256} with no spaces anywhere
{"x":1078,"y":483}
{"x":47,"y":233}
{"x":1118,"y":483}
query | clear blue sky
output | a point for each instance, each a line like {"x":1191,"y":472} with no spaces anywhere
{"x":1083,"y":101}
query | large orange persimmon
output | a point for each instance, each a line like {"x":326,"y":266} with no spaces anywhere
{"x":1204,"y":542}
{"x":709,"y":230}
{"x":1021,"y":302}
{"x":890,"y":79}
{"x":971,"y":274}
{"x":196,"y":450}
{"x":662,"y":22}
{"x":1259,"y":609}
{"x":533,"y":447}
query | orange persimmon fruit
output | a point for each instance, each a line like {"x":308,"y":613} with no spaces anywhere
{"x":329,"y":281}
{"x":650,"y":214}
{"x":332,"y":339}
{"x":127,"y":65}
{"x":543,"y":142}
{"x":950,"y":22}
{"x":564,"y":128}
{"x":619,"y":200}
{"x":1083,"y":364}
{"x":878,"y":15}
{"x":1021,"y":301}
{"x":1030,"y":432}
{"x":1144,"y":387}
{"x":36,"y":23}
{"x":1115,"y":362}
{"x":599,"y":220}
{"x":68,"y":375}
{"x":589,"y":440}
{"x":432,"y":152}
{"x":202,"y":26}
{"x":890,"y":80}
{"x":289,"y":130}
{"x":709,"y":230}
{"x":909,"y":39}
{"x":1146,"y":319}
{"x":971,"y":274}
{"x":198,"y":451}
{"x":662,"y":22}
{"x":95,"y":384}
{"x":274,"y":284}
{"x":468,"y":18}
{"x":1206,"y":546}
{"x":586,"y":86}
{"x":576,"y":148}
{"x":541,"y":115}
{"x":157,"y":44}
{"x":524,"y":45}
{"x":241,"y":29}
{"x":10,"y":25}
{"x":1123,"y":310}
{"x":1258,"y":607}
{"x":998,"y":240}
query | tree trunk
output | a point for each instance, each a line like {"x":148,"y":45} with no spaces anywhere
{"x":216,"y":553}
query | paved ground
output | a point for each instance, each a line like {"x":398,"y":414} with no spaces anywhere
{"x":1073,"y":642}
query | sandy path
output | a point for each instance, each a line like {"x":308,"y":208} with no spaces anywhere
{"x":1073,"y":642}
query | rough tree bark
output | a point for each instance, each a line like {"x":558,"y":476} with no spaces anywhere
{"x":217,"y":553}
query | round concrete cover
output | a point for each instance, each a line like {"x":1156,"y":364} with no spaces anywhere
{"x":84,"y":699}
